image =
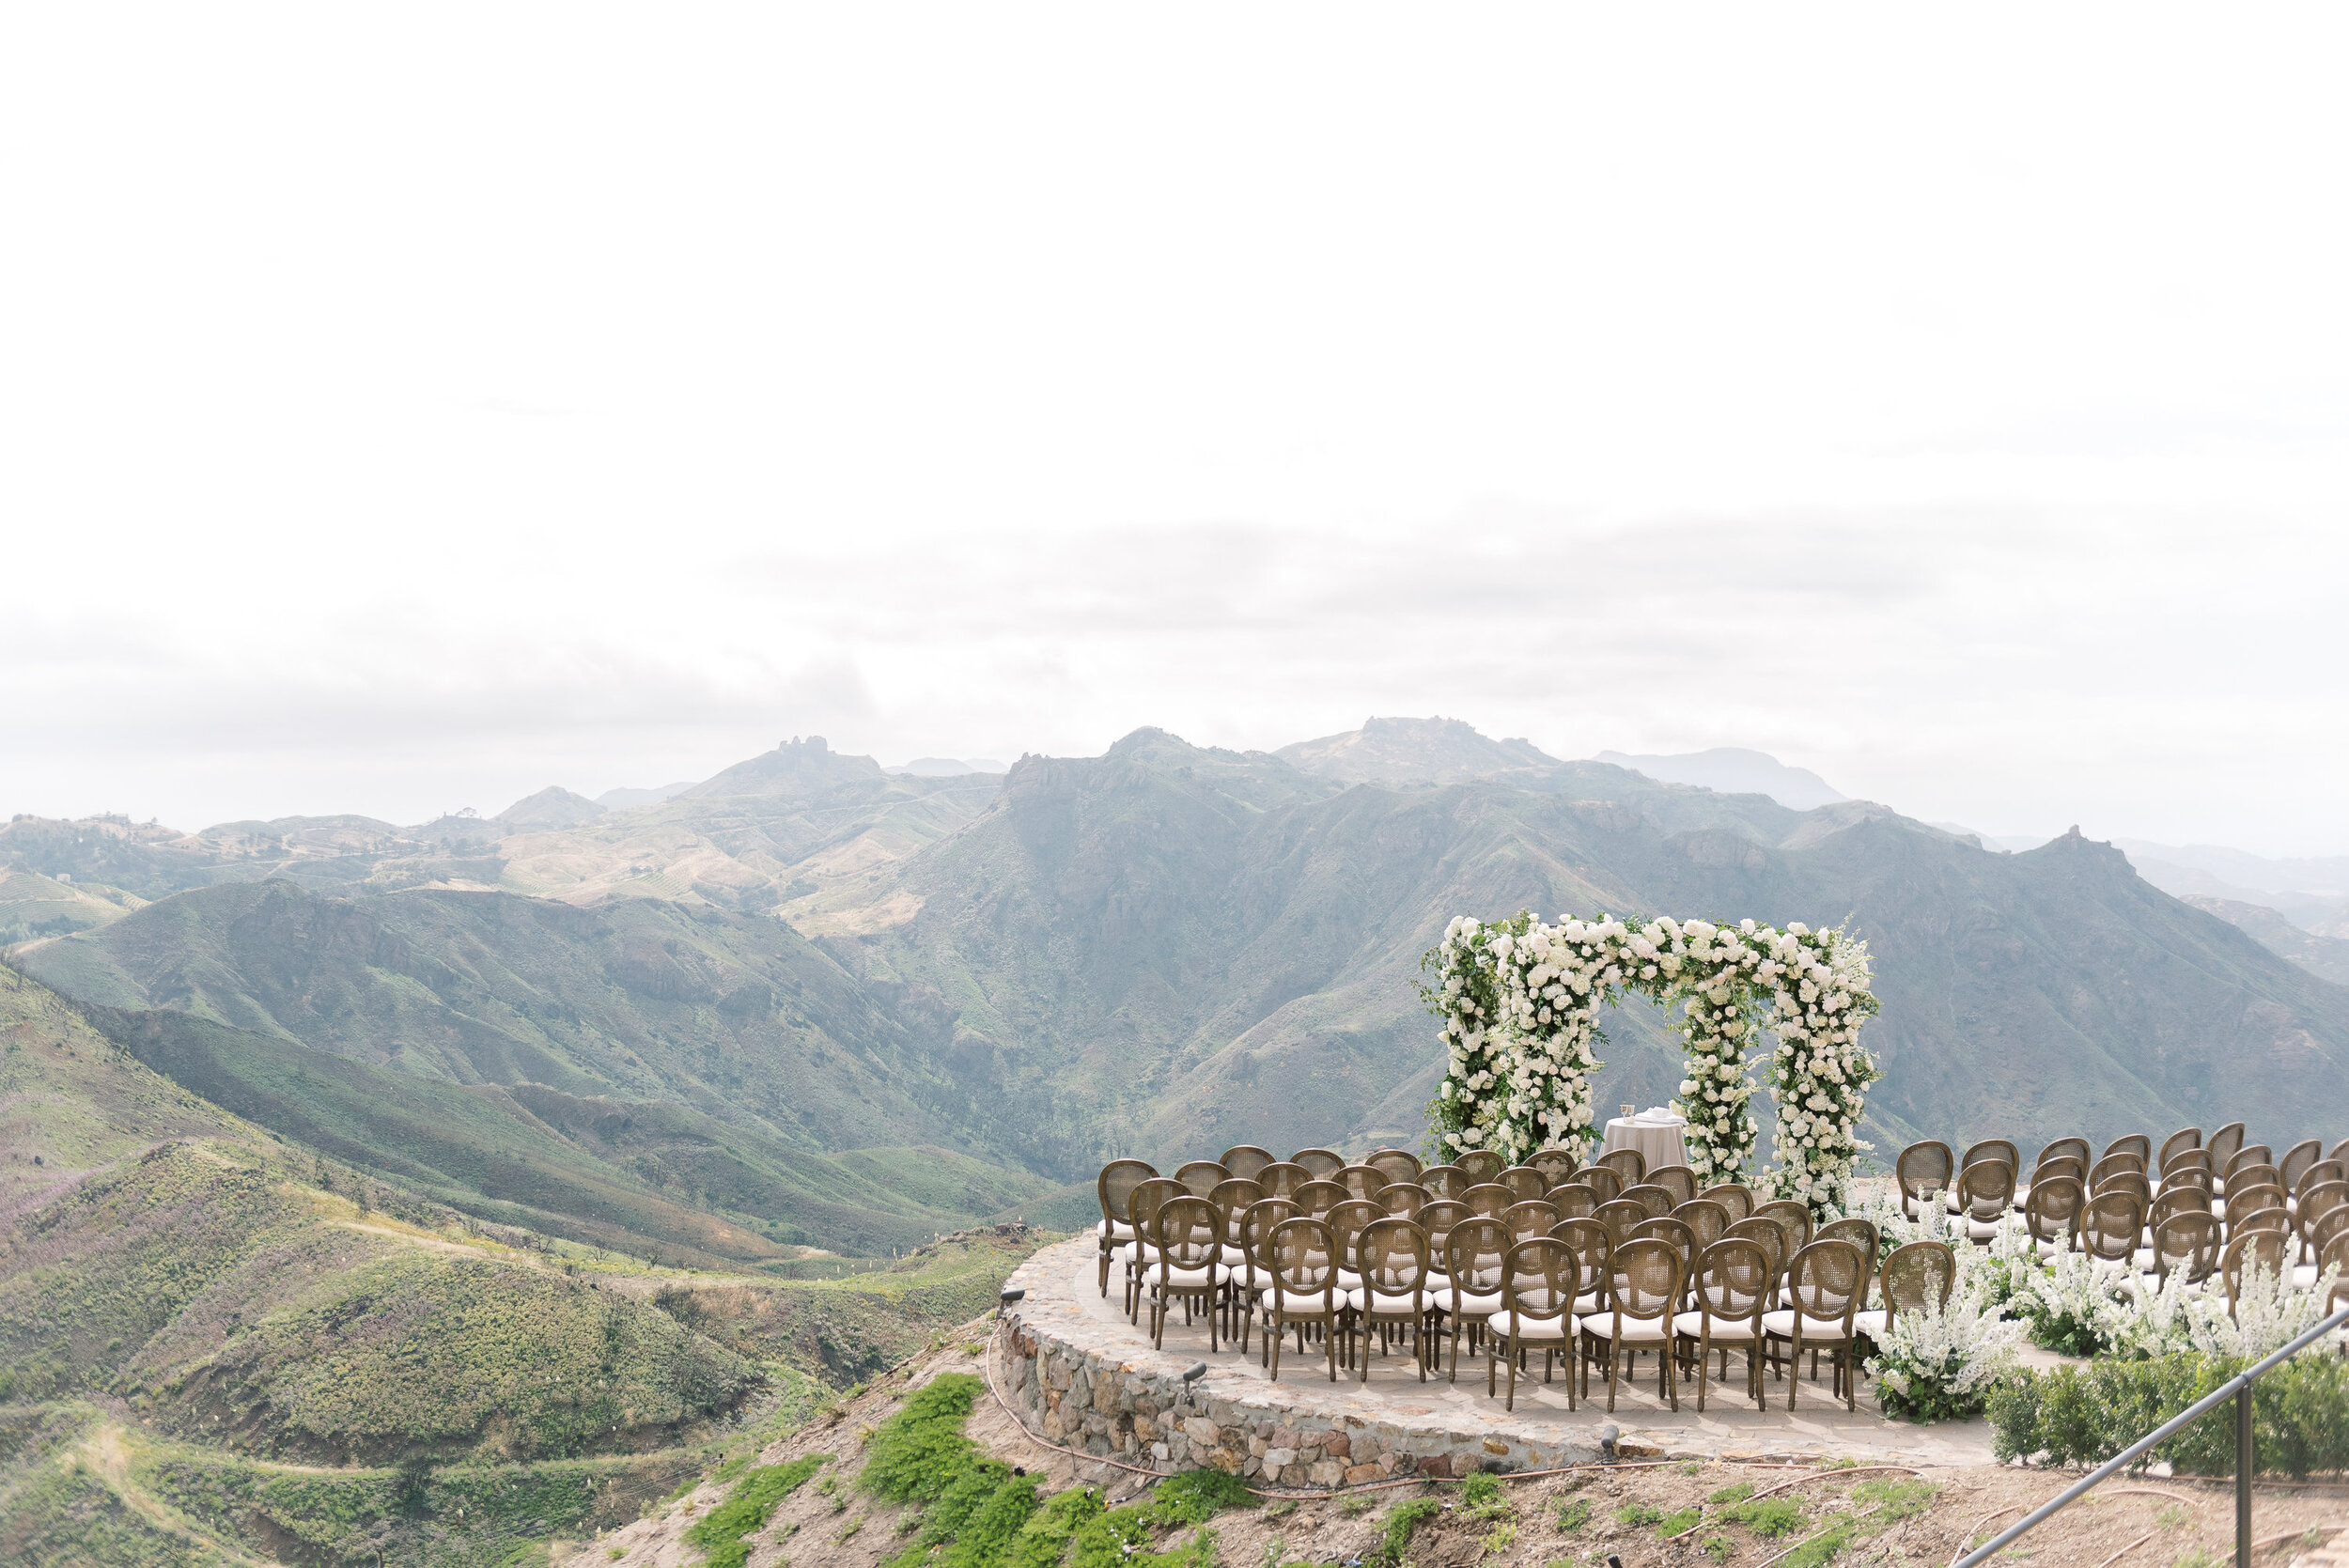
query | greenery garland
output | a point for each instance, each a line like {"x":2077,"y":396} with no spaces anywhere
{"x":1519,"y":999}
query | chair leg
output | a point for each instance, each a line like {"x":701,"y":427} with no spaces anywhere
{"x":1794,"y":1354}
{"x":1516,"y":1354}
{"x":1704,"y":1366}
{"x":1614,"y":1371}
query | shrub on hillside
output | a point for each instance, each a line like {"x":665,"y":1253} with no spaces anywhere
{"x":2086,"y":1415}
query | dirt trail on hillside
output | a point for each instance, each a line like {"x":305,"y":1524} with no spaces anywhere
{"x":104,"y":1452}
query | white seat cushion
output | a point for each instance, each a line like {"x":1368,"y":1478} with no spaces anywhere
{"x":1587,"y":1303}
{"x":1116,"y":1229}
{"x":1982,"y":1230}
{"x":1473,"y":1303}
{"x":1636,"y":1330}
{"x":1306,"y":1306}
{"x":1521,"y":1326}
{"x":1381,"y":1301}
{"x":1871,"y":1323}
{"x":1781,"y":1323}
{"x":1126,"y":1254}
{"x":1737,"y":1329}
{"x":2304,"y":1277}
{"x":1235,"y":1258}
{"x":1349,"y":1279}
{"x":1180,"y":1279}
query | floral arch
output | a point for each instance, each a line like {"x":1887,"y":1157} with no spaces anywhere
{"x":1519,"y":999}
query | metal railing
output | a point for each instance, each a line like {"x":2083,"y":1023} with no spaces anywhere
{"x":2237,"y":1388}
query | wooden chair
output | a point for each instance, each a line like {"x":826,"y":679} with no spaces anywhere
{"x":1246,"y":1160}
{"x":1793,"y":1216}
{"x":1474,"y":1254}
{"x":1488,"y":1198}
{"x":1630,"y":1164}
{"x":1678,"y":1180}
{"x":2265,"y":1251}
{"x":1706,"y":1220}
{"x":1395,"y":1288}
{"x":2222,"y":1146}
{"x":1198,"y":1177}
{"x":1734,"y":1196}
{"x":1574,"y":1200}
{"x":1400,"y":1165}
{"x":1347,"y":1222}
{"x":2296,"y":1161}
{"x":1283,"y":1179}
{"x":1985,"y":1196}
{"x":1402,"y":1199}
{"x":1916,"y":1277}
{"x":1644,"y":1285}
{"x":1620,"y":1217}
{"x":1190,"y":1236}
{"x":1232,"y":1199}
{"x":1993,"y":1148}
{"x":1532,"y":1217}
{"x":2324,"y":1172}
{"x":2068,"y":1148}
{"x":1825,"y":1283}
{"x":2110,"y":1224}
{"x":1771,"y":1237}
{"x":1481,"y":1166}
{"x":1360,"y":1181}
{"x":1538,"y":1281}
{"x":2061,"y":1168}
{"x":2341,"y":1152}
{"x":2179,"y":1142}
{"x":2187,"y":1165}
{"x":2177,"y":1199}
{"x":2053,"y":1209}
{"x":1317,"y":1198}
{"x":2318,"y":1237}
{"x":2131,"y":1182}
{"x":1557,"y":1165}
{"x":1860,"y":1233}
{"x":2136,"y":1144}
{"x":1445,"y":1181}
{"x":1117,"y":1181}
{"x":1922,"y":1170}
{"x":1323,"y":1163}
{"x":2273,"y":1219}
{"x":2244,"y":1202}
{"x":2184,"y":1239}
{"x":2197,"y":1177}
{"x":1437,"y":1217}
{"x":2111,"y":1165}
{"x":1683,"y":1240}
{"x":1256,"y":1226}
{"x":1524,"y":1182}
{"x":2244,"y":1158}
{"x":1141,"y":1216}
{"x":1605,"y":1180}
{"x":1656,"y":1200}
{"x":1730,"y":1286}
{"x":1304,"y":1269}
{"x":2316,"y":1203}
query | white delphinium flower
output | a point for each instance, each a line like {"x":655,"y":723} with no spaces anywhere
{"x":1941,"y":1362}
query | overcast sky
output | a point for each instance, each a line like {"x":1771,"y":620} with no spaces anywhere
{"x":405,"y":408}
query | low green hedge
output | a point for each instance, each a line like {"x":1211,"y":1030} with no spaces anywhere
{"x":2086,"y":1415}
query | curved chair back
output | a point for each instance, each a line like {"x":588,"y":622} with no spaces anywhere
{"x":1257,"y":1225}
{"x":1766,"y":1234}
{"x":2188,"y":1241}
{"x":1445,"y":1181}
{"x":1347,"y":1222}
{"x":1394,"y":1255}
{"x":2322,"y":1173}
{"x":1232,"y":1199}
{"x":1488,"y":1198}
{"x":2176,"y":1200}
{"x":1532,"y":1217}
{"x":2186,"y":1160}
{"x":2249,"y":1204}
{"x":2341,"y":1152}
{"x":1736,"y":1197}
{"x":1319,"y":1198}
{"x":2296,"y":1161}
{"x":1860,"y":1233}
{"x":2195,"y":1176}
{"x":1540,"y":1278}
{"x":1643,"y":1280}
{"x":1593,"y":1245}
{"x":2319,"y":1233}
{"x":1993,"y":1148}
{"x":2110,"y":1224}
{"x":1709,"y":1220}
{"x":1574,"y":1200}
{"x":2063,"y":1165}
{"x":1986,"y":1191}
{"x":1481,"y":1166}
{"x":1198,"y":1177}
{"x":2134,"y":1143}
{"x":1304,"y":1258}
{"x":1143,"y":1203}
{"x":1733,"y":1280}
{"x":1399,"y":1165}
{"x":1683,"y":1240}
{"x":1556,"y":1165}
{"x":2320,"y":1200}
{"x":2072,"y":1148}
{"x":2177,"y":1144}
{"x":2052,"y":1211}
{"x":1620,"y":1217}
{"x":1437,"y":1217}
{"x":1475,"y":1253}
{"x":1921,"y":1169}
{"x":1360,"y":1181}
{"x":1656,"y":1200}
{"x":2129,"y":1181}
{"x":1323,"y":1163}
{"x":1524,"y":1182}
{"x":1678,"y":1180}
{"x":1630,"y":1164}
{"x":1791,"y":1215}
{"x":2265,"y":1251}
{"x":2113,"y":1165}
{"x":1402,"y":1199}
{"x":1282,"y":1178}
{"x":1246,"y":1160}
{"x":1827,"y":1280}
{"x":1918,"y":1276}
{"x":1189,"y":1234}
{"x":2222,"y":1146}
{"x":2244,"y":1158}
{"x":1117,"y":1182}
{"x":1605,"y":1180}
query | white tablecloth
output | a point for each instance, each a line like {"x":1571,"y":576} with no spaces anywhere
{"x":1660,"y":1143}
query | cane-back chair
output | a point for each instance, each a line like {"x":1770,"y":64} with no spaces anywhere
{"x":1736,"y":1197}
{"x":1678,"y":1180}
{"x":1683,"y":1240}
{"x":1481,"y":1166}
{"x":2224,"y":1145}
{"x":1707,"y":1219}
{"x":1232,"y":1199}
{"x":1630,"y":1164}
{"x":1142,"y":1217}
{"x":1323,"y":1163}
{"x":1188,"y":1264}
{"x":1793,"y":1216}
{"x":1319,"y":1198}
{"x":1916,"y":1277}
{"x":2317,"y":1207}
{"x":1656,"y":1200}
{"x":2072,"y":1148}
{"x":1730,"y":1288}
{"x":1347,"y":1222}
{"x":2137,"y":1143}
{"x":1118,"y":1179}
{"x":2296,"y":1161}
{"x":2131,"y":1182}
{"x":1985,"y":1196}
{"x":1538,"y":1281}
{"x":2177,"y":1144}
{"x":2183,"y":1241}
{"x":1403,"y":1199}
{"x":1197,"y":1178}
{"x":1400,"y":1165}
{"x":1620,"y":1217}
{"x":2244,"y":1158}
{"x":1437,"y":1217}
{"x":1574,"y":1200}
{"x":2177,"y":1199}
{"x":2324,"y":1172}
{"x":2195,"y":1176}
{"x":1444,"y":1181}
{"x":1825,"y":1283}
{"x":1488,"y":1198}
{"x":1523,"y":1183}
{"x":1255,"y":1245}
{"x":1771,"y":1237}
{"x":1860,"y":1233}
{"x":2110,"y":1224}
{"x":1993,"y":1148}
{"x":2053,"y":1209}
{"x":1923,"y":1171}
{"x":1395,"y":1288}
{"x":1362,"y":1181}
{"x":1282,"y":1178}
{"x":1303,"y":1259}
{"x":2251,"y":1198}
{"x":1474,"y":1254}
{"x":1556,"y":1165}
{"x":1644,"y":1286}
{"x":1592,"y":1245}
{"x":2268,"y":1251}
{"x":2317,"y":1235}
{"x":1246,"y":1160}
{"x":2113,"y":1165}
{"x":1532,"y":1217}
{"x":1605,"y":1180}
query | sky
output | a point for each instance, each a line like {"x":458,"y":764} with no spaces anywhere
{"x":402,"y":409}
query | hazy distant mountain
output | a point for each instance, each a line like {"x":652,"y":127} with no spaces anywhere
{"x":2326,"y":956}
{"x":2312,"y":893}
{"x":628,"y":800}
{"x":946,"y":768}
{"x":1732,"y":770}
{"x":797,"y":767}
{"x":551,"y":807}
{"x":1411,"y":751}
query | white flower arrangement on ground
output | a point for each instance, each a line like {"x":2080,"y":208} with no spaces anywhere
{"x":2074,"y":1302}
{"x":1519,"y":999}
{"x":2268,"y":1314}
{"x":1941,"y":1365}
{"x":1995,"y":1276}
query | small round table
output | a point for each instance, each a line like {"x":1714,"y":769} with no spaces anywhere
{"x":1660,"y":1143}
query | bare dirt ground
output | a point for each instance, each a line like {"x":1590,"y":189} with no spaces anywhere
{"x":1581,"y":1517}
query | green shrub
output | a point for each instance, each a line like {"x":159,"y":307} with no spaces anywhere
{"x":1118,"y":1539}
{"x":1770,"y":1516}
{"x":721,"y":1530}
{"x":1402,"y":1519}
{"x":983,"y":1541}
{"x":1042,"y":1541}
{"x":1678,"y":1523}
{"x":1481,"y":1490}
{"x":1728,"y":1495}
{"x":1194,"y":1496}
{"x":1576,"y":1512}
{"x":2086,"y":1415}
{"x":917,"y":1452}
{"x":958,"y":1502}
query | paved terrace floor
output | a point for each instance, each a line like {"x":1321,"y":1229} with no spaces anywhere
{"x":1063,"y":1302}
